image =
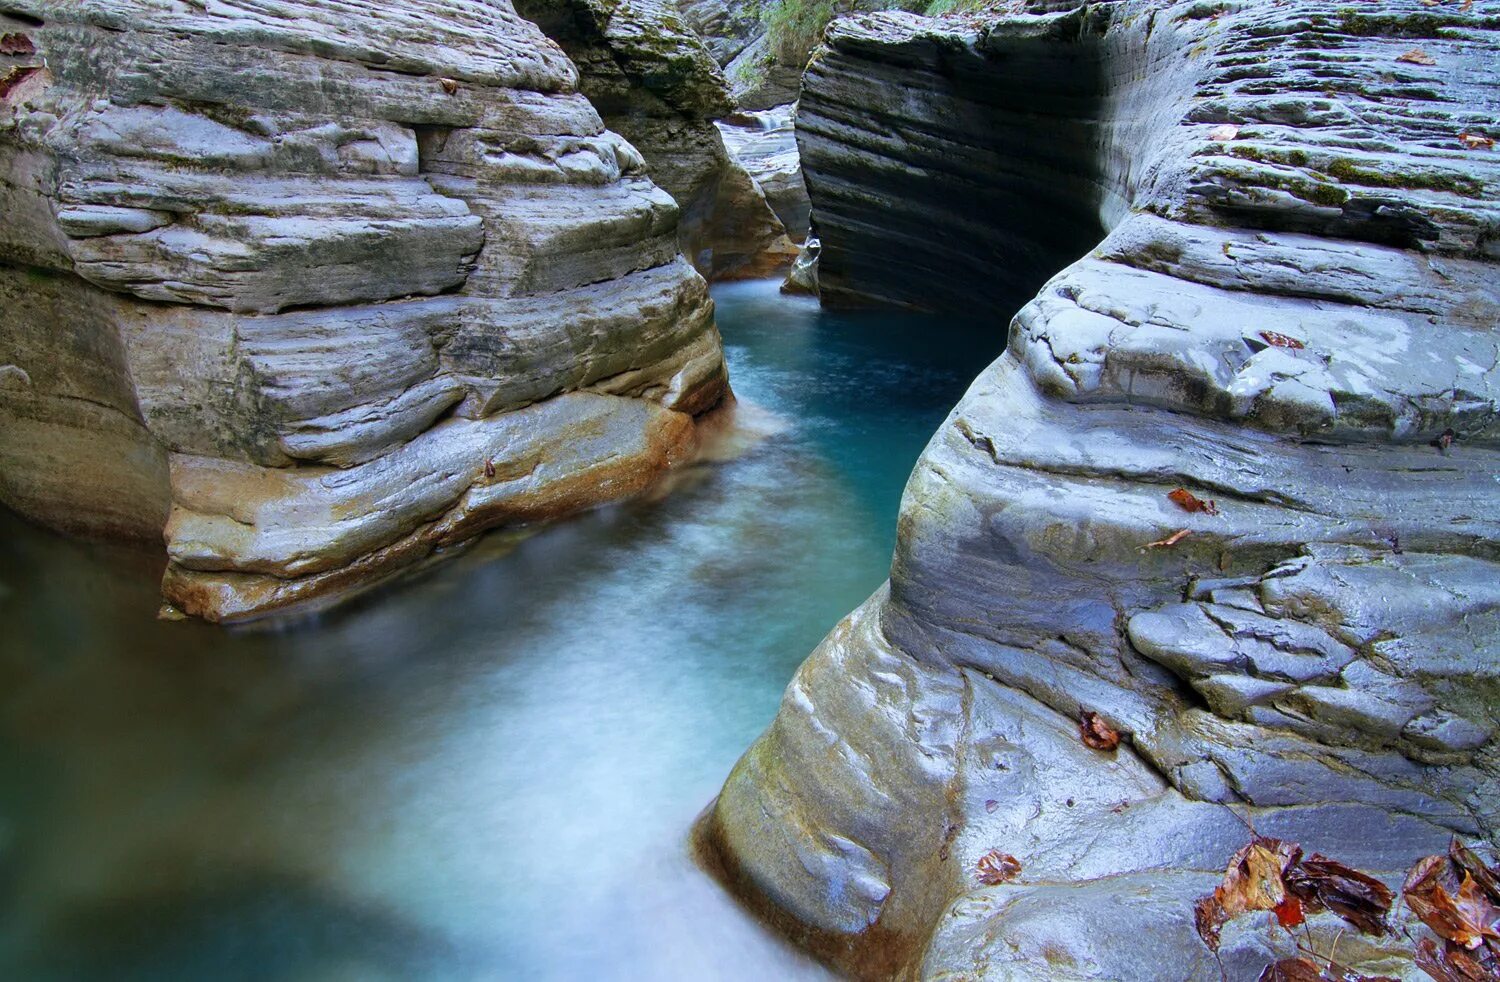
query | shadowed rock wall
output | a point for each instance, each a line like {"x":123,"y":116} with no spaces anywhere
{"x":322,"y":288}
{"x":1292,"y":314}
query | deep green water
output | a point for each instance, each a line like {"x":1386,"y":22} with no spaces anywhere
{"x":485,"y":772}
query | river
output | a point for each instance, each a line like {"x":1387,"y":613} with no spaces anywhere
{"x":487,"y":771}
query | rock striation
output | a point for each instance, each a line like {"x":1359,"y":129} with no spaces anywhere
{"x":656,"y":84}
{"x":1278,"y":291}
{"x":319,"y":289}
{"x":765,"y":144}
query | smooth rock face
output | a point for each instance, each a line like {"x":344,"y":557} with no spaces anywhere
{"x":319,"y":288}
{"x":1322,"y":657}
{"x":765,"y":144}
{"x":653,"y":81}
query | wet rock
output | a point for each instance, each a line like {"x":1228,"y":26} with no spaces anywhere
{"x":289,"y":283}
{"x":655,"y":83}
{"x":1284,"y":322}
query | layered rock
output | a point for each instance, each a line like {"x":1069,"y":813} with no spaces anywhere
{"x":1292,"y":314}
{"x":322,"y":288}
{"x":654,"y":82}
{"x":734,"y":31}
{"x":765,"y":144}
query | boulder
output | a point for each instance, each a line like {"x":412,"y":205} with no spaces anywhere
{"x":1261,"y":259}
{"x":312,"y":290}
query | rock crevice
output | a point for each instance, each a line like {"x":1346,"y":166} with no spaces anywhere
{"x":1277,"y":291}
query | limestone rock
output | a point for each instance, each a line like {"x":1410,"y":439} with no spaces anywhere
{"x":315,"y":289}
{"x":1278,"y":291}
{"x":765,"y":145}
{"x":655,"y":82}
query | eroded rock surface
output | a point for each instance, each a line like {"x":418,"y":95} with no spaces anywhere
{"x":321,"y":288}
{"x":654,"y":82}
{"x":1291,"y":313}
{"x":765,"y":144}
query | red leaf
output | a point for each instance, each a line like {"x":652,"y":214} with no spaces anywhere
{"x":1323,"y":883}
{"x":996,"y":867}
{"x":1289,"y":912}
{"x":1096,"y":732}
{"x":1190,"y":502}
{"x":1281,"y":340}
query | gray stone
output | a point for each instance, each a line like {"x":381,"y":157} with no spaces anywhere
{"x":1284,"y":321}
{"x":313,"y":289}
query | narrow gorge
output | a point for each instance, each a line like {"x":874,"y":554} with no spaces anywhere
{"x":391,"y":575}
{"x":1290,"y":324}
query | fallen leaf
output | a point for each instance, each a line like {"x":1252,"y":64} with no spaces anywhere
{"x":1223,"y":134}
{"x":1465,"y":859}
{"x":449,"y":86}
{"x":1096,"y":732}
{"x":1281,"y":340}
{"x":1190,"y":502}
{"x":991,"y":805}
{"x":16,"y":44}
{"x":489,"y":468}
{"x":1252,"y":881}
{"x":1323,"y":883}
{"x":1289,"y":912}
{"x":1170,"y":540}
{"x":1445,"y":439}
{"x":1460,"y":914}
{"x":1449,"y":963}
{"x":1476,"y":141}
{"x":1416,"y":56}
{"x":1292,"y":970}
{"x":996,"y":867}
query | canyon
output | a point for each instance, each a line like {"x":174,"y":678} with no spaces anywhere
{"x":1276,"y":303}
{"x":307,"y":296}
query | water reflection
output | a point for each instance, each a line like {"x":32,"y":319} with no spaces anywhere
{"x":485,"y":772}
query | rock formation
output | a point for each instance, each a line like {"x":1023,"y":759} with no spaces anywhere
{"x":765,"y":144}
{"x":656,"y":84}
{"x":320,"y":289}
{"x":736,"y":35}
{"x":1291,"y":314}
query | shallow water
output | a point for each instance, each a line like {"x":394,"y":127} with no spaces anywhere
{"x":487,"y":771}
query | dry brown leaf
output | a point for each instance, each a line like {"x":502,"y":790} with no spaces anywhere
{"x":489,"y":468}
{"x":1170,"y":540}
{"x":1223,"y":134}
{"x":1252,"y":881}
{"x":449,"y":86}
{"x":1190,"y":502}
{"x":1292,"y":970}
{"x":1467,"y":860}
{"x":1450,"y":963}
{"x":1281,"y":340}
{"x":1416,"y":56}
{"x":1458,"y":913}
{"x":1323,"y":883}
{"x":996,"y":867}
{"x":16,"y":44}
{"x":1096,"y":733}
{"x":991,"y":805}
{"x":1476,"y":141}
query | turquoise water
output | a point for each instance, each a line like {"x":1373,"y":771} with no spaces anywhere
{"x":487,"y":771}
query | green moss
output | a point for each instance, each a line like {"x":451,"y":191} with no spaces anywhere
{"x":1350,"y":172}
{"x":1361,"y":24}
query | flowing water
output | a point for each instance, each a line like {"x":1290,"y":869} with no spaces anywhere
{"x":487,"y":771}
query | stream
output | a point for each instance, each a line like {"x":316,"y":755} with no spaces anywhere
{"x":485,"y":771}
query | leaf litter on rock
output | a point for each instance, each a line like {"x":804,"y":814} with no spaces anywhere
{"x":1096,"y":733}
{"x":1169,"y":541}
{"x":1416,"y":56}
{"x":996,"y":867}
{"x":1189,"y":502}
